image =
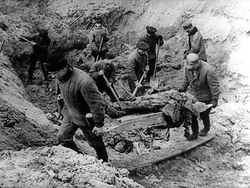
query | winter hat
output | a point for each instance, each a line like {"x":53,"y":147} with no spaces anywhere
{"x":142,"y":46}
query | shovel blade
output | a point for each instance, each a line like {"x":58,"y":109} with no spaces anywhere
{"x":154,"y":82}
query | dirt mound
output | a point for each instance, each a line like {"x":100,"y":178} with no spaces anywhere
{"x":58,"y":167}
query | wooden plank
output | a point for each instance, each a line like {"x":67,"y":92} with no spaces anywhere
{"x":175,"y":146}
{"x":135,"y":122}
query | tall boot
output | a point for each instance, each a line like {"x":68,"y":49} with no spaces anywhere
{"x":195,"y":128}
{"x":206,"y":122}
{"x":101,"y":153}
{"x":71,"y":145}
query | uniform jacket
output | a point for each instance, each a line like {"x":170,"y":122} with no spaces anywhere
{"x":196,"y":44}
{"x":151,"y":41}
{"x":203,"y":84}
{"x":136,"y":65}
{"x":95,"y":38}
{"x":81,"y":96}
{"x":105,"y":65}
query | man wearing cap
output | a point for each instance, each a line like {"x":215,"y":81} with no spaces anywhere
{"x":77,"y":96}
{"x":195,"y":42}
{"x":137,"y":64}
{"x":152,"y":39}
{"x":99,"y":36}
{"x":107,"y":68}
{"x":203,"y":84}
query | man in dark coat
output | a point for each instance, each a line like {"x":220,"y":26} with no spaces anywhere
{"x":99,"y":36}
{"x":137,"y":64}
{"x":195,"y":42}
{"x":40,"y":53}
{"x":152,"y":39}
{"x":78,"y":96}
{"x":104,"y":67}
{"x":203,"y":84}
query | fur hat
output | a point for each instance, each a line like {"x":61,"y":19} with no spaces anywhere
{"x":187,"y":25}
{"x":142,"y":46}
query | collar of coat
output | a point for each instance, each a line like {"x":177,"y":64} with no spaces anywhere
{"x":194,"y":30}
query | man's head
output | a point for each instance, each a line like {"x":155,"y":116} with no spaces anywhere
{"x":193,"y":62}
{"x":151,"y":30}
{"x":98,"y":24}
{"x":57,"y":65}
{"x":142,"y":48}
{"x":188,"y":27}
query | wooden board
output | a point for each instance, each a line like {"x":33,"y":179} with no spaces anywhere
{"x":176,"y":145}
{"x":135,"y":122}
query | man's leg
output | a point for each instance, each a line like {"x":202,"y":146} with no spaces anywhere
{"x":103,"y":54}
{"x":206,"y":122}
{"x":94,"y":54}
{"x":32,"y":66}
{"x":195,"y":128}
{"x":45,"y":72}
{"x":96,"y":142}
{"x":151,"y":69}
{"x":65,"y":135}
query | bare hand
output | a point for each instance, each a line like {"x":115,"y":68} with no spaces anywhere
{"x":137,"y":84}
{"x":98,"y":131}
{"x":60,"y":116}
{"x":101,"y":72}
{"x":147,"y":68}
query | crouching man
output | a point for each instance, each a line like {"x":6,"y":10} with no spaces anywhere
{"x":78,"y":97}
{"x":201,"y":78}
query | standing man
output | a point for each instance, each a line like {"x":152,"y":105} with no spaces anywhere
{"x":201,"y":78}
{"x":152,"y":39}
{"x":104,"y":67}
{"x":40,"y":53}
{"x":78,"y":96}
{"x":137,"y":65}
{"x":98,"y":39}
{"x":195,"y":42}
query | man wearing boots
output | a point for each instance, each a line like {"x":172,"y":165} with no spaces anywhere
{"x":195,"y":42}
{"x":104,"y":67}
{"x":203,"y":84}
{"x":152,"y":39}
{"x":137,"y":64}
{"x":78,"y":96}
{"x":98,"y":40}
{"x":40,"y":52}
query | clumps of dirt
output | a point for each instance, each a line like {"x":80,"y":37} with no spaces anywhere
{"x":16,"y":132}
{"x":58,"y":166}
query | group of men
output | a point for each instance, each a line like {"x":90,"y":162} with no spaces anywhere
{"x":79,"y":94}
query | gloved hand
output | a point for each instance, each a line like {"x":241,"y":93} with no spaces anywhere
{"x":101,"y":72}
{"x":98,"y":131}
{"x":147,"y":68}
{"x":137,"y":84}
{"x":214,"y":103}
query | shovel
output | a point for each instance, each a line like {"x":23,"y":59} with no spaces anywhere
{"x":154,"y":81}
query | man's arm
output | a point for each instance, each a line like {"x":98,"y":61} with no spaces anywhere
{"x":95,"y":102}
{"x":94,"y":72}
{"x":185,"y":83}
{"x":195,"y":46}
{"x":131,"y":69}
{"x":214,"y":86}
